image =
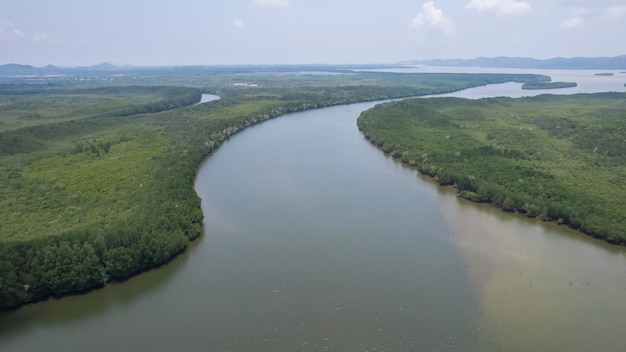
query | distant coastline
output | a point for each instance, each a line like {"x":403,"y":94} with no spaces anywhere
{"x":575,"y":63}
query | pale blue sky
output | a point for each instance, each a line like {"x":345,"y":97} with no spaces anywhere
{"x":195,"y":32}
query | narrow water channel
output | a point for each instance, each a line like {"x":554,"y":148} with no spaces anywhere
{"x":316,"y":241}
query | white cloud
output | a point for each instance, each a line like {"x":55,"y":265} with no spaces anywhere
{"x":432,"y":17}
{"x":40,"y":37}
{"x":595,"y":14}
{"x":573,"y":22}
{"x":616,"y":12}
{"x":271,"y":2}
{"x":8,"y":31}
{"x":501,"y":7}
{"x":238,"y":23}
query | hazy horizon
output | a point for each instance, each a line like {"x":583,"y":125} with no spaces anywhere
{"x":275,"y":32}
{"x":364,"y":64}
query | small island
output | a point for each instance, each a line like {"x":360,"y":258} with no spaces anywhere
{"x":548,"y":85}
{"x":605,"y":74}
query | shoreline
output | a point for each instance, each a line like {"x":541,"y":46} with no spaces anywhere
{"x":460,"y":194}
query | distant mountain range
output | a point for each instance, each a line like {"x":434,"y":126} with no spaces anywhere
{"x":106,"y":69}
{"x":18,"y":70}
{"x":575,"y":63}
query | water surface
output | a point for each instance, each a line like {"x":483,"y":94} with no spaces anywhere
{"x":205,"y":98}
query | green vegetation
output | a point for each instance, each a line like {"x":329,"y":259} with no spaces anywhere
{"x":560,"y":158}
{"x":97,"y":174}
{"x":548,"y":85}
{"x":83,"y":191}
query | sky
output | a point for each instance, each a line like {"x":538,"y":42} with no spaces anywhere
{"x":209,"y":32}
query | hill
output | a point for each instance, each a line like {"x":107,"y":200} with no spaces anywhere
{"x":18,"y":70}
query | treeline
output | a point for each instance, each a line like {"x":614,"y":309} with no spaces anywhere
{"x":548,"y":85}
{"x":32,"y":138}
{"x":124,"y":219}
{"x":559,"y":158}
{"x":74,"y":223}
{"x":172,"y":97}
{"x":85,"y":257}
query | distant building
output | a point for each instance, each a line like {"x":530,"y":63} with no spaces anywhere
{"x":250,"y":85}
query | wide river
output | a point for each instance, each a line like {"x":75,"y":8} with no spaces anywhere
{"x":317,"y":241}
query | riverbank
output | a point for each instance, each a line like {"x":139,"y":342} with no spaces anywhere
{"x":519,"y":155}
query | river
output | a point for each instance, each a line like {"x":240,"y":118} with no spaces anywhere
{"x":316,"y":241}
{"x":207,"y":98}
